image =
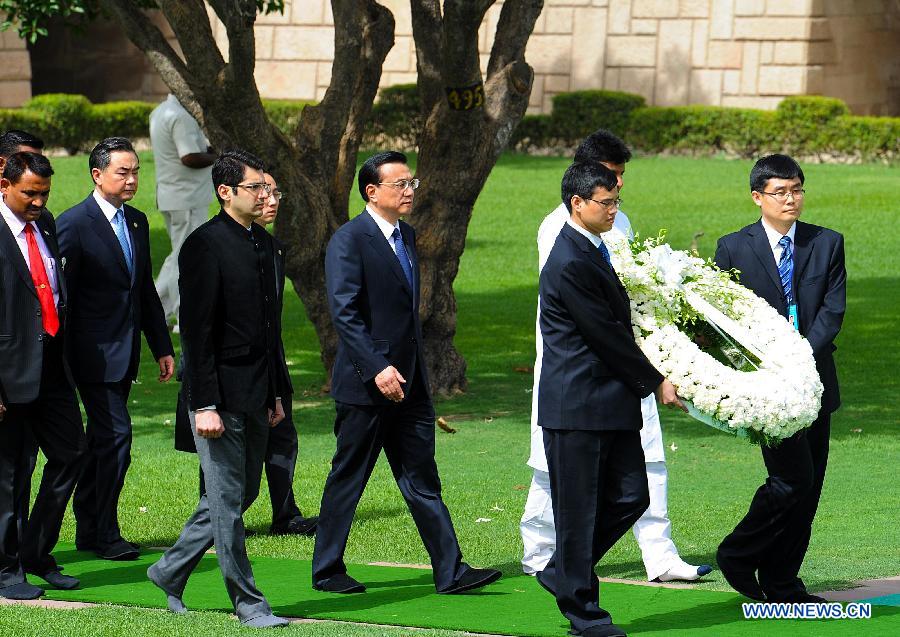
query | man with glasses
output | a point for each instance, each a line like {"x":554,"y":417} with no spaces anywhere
{"x":105,"y":247}
{"x":653,"y":530}
{"x":235,"y":379}
{"x":281,"y":452}
{"x":593,"y":377}
{"x":798,"y":268}
{"x":380,"y":382}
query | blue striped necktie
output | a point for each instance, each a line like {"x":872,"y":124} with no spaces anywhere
{"x":119,"y":227}
{"x":786,"y":269}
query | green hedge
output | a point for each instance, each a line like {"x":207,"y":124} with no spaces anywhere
{"x":396,"y":118}
{"x":285,"y":114}
{"x":805,"y":125}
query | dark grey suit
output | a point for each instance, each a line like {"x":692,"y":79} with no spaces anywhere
{"x":36,"y":387}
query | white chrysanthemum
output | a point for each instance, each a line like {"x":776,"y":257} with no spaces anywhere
{"x":775,"y":401}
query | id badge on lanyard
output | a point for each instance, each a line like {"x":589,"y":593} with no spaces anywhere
{"x":792,"y":316}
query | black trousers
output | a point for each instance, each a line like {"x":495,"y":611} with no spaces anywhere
{"x":598,"y":486}
{"x":280,"y":462}
{"x":53,"y":423}
{"x":406,"y":433}
{"x":96,"y":501}
{"x":774,"y":535}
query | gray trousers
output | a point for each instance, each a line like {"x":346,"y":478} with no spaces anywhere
{"x":232,"y":466}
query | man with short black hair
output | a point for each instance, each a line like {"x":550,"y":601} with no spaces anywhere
{"x":234,"y":379}
{"x":380,"y":383}
{"x":18,"y":141}
{"x":592,"y":379}
{"x":37,"y":393}
{"x":653,"y":530}
{"x":798,"y":268}
{"x":105,"y":244}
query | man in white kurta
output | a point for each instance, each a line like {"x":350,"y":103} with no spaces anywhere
{"x":653,"y":530}
{"x":184,"y":190}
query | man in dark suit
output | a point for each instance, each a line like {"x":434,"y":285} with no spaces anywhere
{"x":798,"y":268}
{"x":380,"y":383}
{"x":106,"y":247}
{"x":234,"y":378}
{"x":37,"y":393}
{"x":593,"y":377}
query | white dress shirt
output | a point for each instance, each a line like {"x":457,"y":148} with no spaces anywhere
{"x":17,"y":227}
{"x":774,"y":237}
{"x":387,"y":229}
{"x":109,"y":211}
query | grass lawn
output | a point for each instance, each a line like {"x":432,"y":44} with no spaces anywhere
{"x":712,"y":476}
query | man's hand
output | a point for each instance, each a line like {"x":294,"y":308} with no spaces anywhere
{"x":668,"y":395}
{"x":166,"y":368}
{"x":388,"y":383}
{"x":276,"y":416}
{"x":209,"y":423}
{"x":2,"y":409}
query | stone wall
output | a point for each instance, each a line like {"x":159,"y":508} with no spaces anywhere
{"x":15,"y":70}
{"x":749,"y":53}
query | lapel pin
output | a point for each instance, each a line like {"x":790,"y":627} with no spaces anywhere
{"x":47,"y":232}
{"x":135,"y":224}
{"x":64,"y":262}
{"x":279,"y":252}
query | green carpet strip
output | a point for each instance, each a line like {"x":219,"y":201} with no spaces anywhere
{"x":515,"y":605}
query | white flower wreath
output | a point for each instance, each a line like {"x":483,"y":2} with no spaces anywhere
{"x":768,"y":390}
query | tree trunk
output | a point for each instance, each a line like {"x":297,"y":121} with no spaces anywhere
{"x":315,"y":167}
{"x":459,"y":148}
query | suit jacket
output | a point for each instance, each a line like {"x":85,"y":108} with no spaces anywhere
{"x":819,"y":286}
{"x":593,"y":374}
{"x":230,"y":332}
{"x":21,"y":324}
{"x":374,"y":309}
{"x":108,"y":308}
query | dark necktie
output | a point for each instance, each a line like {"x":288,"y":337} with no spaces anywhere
{"x":402,"y":256}
{"x":49,"y":316}
{"x":786,"y":269}
{"x":604,"y":252}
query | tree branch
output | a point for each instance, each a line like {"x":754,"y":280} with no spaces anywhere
{"x":190,"y":22}
{"x":514,"y":27}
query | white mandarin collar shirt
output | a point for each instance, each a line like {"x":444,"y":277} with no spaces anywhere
{"x":17,"y":227}
{"x":774,"y":237}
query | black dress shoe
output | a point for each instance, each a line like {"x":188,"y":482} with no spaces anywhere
{"x":120,"y":550}
{"x":800,"y":597}
{"x":600,"y":630}
{"x":22,"y":590}
{"x":297,"y":526}
{"x":472,"y":579}
{"x":340,"y":583}
{"x":741,"y":579}
{"x":58,"y":580}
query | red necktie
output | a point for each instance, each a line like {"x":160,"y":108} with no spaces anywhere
{"x":41,"y":283}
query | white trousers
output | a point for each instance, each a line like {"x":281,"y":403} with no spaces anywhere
{"x":653,"y":531}
{"x":179,"y":224}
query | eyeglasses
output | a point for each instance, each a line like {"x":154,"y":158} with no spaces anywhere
{"x":255,"y":189}
{"x":278,"y":194}
{"x":796,"y":193}
{"x":401,"y":185}
{"x":608,"y":203}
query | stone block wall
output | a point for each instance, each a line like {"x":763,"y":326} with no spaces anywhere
{"x":747,"y":53}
